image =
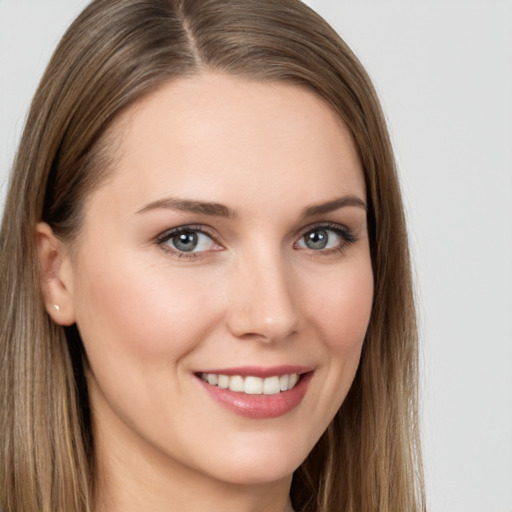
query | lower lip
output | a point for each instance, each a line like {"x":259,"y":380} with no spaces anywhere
{"x":260,"y":406}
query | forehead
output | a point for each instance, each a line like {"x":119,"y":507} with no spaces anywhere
{"x":230,"y":138}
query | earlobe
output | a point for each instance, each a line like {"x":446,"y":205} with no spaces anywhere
{"x":55,"y":275}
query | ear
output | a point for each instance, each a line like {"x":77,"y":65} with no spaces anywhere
{"x":56,"y":276}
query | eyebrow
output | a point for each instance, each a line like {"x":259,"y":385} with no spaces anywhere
{"x":333,"y":205}
{"x":220,"y":210}
{"x":186,"y":205}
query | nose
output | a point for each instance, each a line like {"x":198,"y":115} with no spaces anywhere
{"x":262,"y":305}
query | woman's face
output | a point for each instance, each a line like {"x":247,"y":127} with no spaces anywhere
{"x":229,"y":244}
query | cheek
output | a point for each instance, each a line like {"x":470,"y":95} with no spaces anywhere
{"x":136,"y":310}
{"x":342,"y":311}
{"x":340,"y":315}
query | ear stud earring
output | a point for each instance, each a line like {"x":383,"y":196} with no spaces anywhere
{"x":56,"y":307}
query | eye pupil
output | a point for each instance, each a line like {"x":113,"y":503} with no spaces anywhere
{"x":317,"y":239}
{"x":186,"y":241}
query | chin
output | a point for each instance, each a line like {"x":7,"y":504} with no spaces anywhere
{"x":261,"y":463}
{"x":257,"y":474}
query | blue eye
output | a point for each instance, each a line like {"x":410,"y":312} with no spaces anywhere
{"x":324,"y":238}
{"x":187,"y":240}
{"x":317,"y":240}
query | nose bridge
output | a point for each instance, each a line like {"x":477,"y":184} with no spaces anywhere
{"x":262,"y":304}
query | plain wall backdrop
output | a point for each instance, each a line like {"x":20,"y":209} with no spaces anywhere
{"x":443,"y":70}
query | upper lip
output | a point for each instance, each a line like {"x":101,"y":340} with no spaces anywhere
{"x":259,"y":371}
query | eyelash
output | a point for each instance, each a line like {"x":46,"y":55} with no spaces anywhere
{"x":163,"y":238}
{"x":347,"y":236}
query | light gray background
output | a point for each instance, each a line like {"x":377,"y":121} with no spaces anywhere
{"x":443,"y":70}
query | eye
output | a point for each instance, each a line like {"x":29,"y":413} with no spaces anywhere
{"x":326,"y":238}
{"x":187,"y":240}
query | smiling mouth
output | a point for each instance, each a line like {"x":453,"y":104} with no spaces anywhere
{"x":251,"y":384}
{"x":257,"y":392}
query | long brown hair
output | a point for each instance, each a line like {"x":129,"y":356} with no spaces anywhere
{"x":369,"y":458}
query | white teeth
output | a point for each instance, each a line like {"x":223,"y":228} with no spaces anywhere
{"x":252,"y":385}
{"x":236,"y":383}
{"x":213,"y":379}
{"x":223,"y":382}
{"x":271,"y":386}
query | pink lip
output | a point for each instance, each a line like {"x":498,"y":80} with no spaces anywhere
{"x":260,"y":406}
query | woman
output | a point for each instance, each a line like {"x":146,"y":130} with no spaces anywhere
{"x":207,"y":297}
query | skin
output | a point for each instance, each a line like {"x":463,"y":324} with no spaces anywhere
{"x":254,"y":293}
